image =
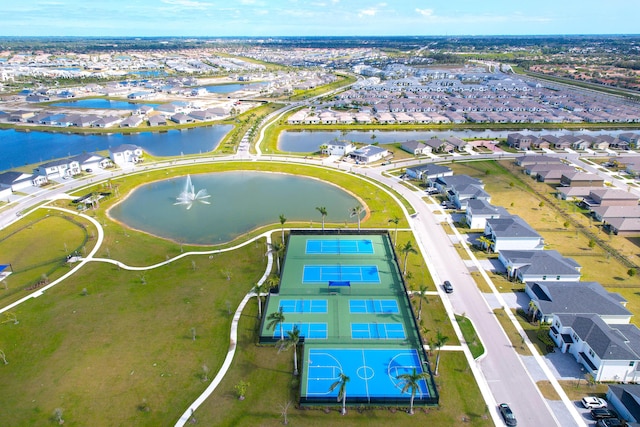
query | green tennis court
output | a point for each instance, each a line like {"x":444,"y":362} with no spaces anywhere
{"x":340,"y":273}
{"x":339,"y":246}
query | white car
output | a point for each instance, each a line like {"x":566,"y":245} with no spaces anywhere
{"x":591,"y":402}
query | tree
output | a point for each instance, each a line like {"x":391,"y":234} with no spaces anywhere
{"x":356,"y":212}
{"x":632,"y":272}
{"x":411,"y":382}
{"x":277,"y":249}
{"x":485,"y":242}
{"x":272,"y":282}
{"x":342,"y":391}
{"x":258,"y":289}
{"x":323,"y":148}
{"x":422,"y":295}
{"x":241,"y":389}
{"x":533,"y":309}
{"x":292,"y":340}
{"x":283,"y":219}
{"x":323,"y":212}
{"x":395,"y":220}
{"x":276,"y":319}
{"x":406,"y":250}
{"x":439,"y":342}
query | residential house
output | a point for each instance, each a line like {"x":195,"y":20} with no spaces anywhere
{"x":606,"y":213}
{"x":538,"y":265}
{"x":92,"y":161}
{"x":551,"y":298}
{"x":131,"y":122}
{"x":416,"y":148}
{"x":338,"y":148}
{"x":535,"y":159}
{"x":445,"y":182}
{"x":181,"y":118}
{"x":519,"y":141}
{"x":63,"y":168}
{"x":581,"y":179}
{"x":126,"y":155}
{"x":16,"y":181}
{"x":439,"y":146}
{"x":479,"y":211}
{"x":607,"y":352}
{"x":106,"y":122}
{"x":459,"y":144}
{"x":461,"y":194}
{"x":428,"y":172}
{"x":83,"y":121}
{"x":512,"y":233}
{"x":610,"y":197}
{"x":157,"y":120}
{"x":574,"y":193}
{"x":369,"y":154}
{"x":625,"y":400}
{"x":623,"y":226}
{"x":631,"y":138}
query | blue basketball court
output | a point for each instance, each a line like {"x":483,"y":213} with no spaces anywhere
{"x":340,"y":273}
{"x":365,"y":306}
{"x":303,"y":306}
{"x":307,"y":330}
{"x":377,"y":331}
{"x":372,"y":372}
{"x":339,"y":246}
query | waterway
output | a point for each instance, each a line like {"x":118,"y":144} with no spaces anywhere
{"x":99,"y":103}
{"x":25,"y":148}
{"x":310,"y":141}
{"x":233,"y":87}
{"x":240,"y":202}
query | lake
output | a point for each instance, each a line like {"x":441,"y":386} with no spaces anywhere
{"x":101,"y":103}
{"x":25,"y":148}
{"x":240,"y":202}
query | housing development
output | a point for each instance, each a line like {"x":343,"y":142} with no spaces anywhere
{"x":275,"y":230}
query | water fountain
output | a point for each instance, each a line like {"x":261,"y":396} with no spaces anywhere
{"x":189,"y":196}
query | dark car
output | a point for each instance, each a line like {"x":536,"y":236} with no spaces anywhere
{"x":602,"y":413}
{"x":507,"y":414}
{"x":448,"y":287}
{"x":610,"y":422}
{"x":88,"y":170}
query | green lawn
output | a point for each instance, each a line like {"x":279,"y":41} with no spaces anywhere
{"x":470,"y":336}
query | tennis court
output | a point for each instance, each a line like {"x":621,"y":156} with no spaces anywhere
{"x":307,"y":330}
{"x":373,"y":373}
{"x":377,"y":331}
{"x":341,"y":273}
{"x":339,"y":246}
{"x":365,"y":306}
{"x":303,"y":305}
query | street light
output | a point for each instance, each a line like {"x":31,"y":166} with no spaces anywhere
{"x":581,"y":375}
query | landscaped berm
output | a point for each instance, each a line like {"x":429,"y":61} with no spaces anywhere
{"x":344,"y":291}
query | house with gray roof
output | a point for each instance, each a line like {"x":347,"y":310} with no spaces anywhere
{"x":625,"y":399}
{"x":416,"y":148}
{"x":447,"y":182}
{"x":92,"y":161}
{"x":479,"y":211}
{"x":512,"y":233}
{"x":623,"y":226}
{"x":62,"y":168}
{"x":539,"y":265}
{"x":607,"y":213}
{"x":461,"y":194}
{"x":533,"y":159}
{"x":429,"y":171}
{"x":608,"y":352}
{"x":338,"y":148}
{"x":16,"y":181}
{"x":581,"y":179}
{"x":126,"y":155}
{"x":368,"y":154}
{"x":610,"y":197}
{"x":552,"y":298}
{"x":157,"y":120}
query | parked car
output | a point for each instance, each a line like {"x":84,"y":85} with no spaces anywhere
{"x":602,"y":413}
{"x":89,"y":170}
{"x":507,"y":415}
{"x":592,"y":402}
{"x":448,"y":287}
{"x":610,"y":422}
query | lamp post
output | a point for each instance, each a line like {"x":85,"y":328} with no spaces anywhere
{"x":581,"y":375}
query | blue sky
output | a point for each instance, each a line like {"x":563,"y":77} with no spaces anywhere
{"x":316,"y":17}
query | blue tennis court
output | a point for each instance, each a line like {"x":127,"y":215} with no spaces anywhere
{"x":377,"y":331}
{"x":372,"y":372}
{"x":307,"y":330}
{"x":363,"y":306}
{"x":339,"y":246}
{"x":303,"y":305}
{"x":340,"y":273}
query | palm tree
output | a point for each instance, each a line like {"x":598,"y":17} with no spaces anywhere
{"x":356,"y":212}
{"x":258,"y":289}
{"x":422,"y":295}
{"x":342,"y":391}
{"x":277,"y":249}
{"x":283,"y":219}
{"x":485,"y":242}
{"x":323,"y":148}
{"x":276,"y":319}
{"x":395,"y":220}
{"x":323,"y":212}
{"x":272,"y":281}
{"x":293,"y":339}
{"x":439,"y":342}
{"x":412,"y":382}
{"x":406,"y":250}
{"x":533,"y":310}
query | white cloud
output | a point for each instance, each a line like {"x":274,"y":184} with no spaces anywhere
{"x":194,"y":4}
{"x":425,"y":12}
{"x":368,"y":12}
